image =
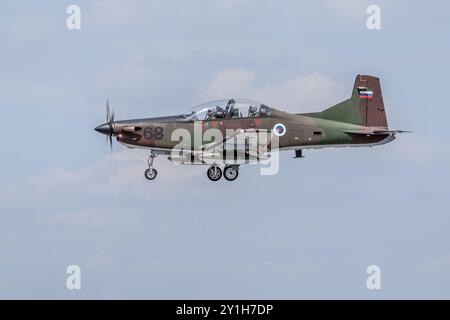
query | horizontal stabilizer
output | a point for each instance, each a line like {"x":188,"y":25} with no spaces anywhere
{"x":391,"y":131}
{"x":376,"y":132}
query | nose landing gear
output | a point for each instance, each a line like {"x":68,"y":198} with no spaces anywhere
{"x":151,"y":173}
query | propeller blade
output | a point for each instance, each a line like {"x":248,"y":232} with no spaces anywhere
{"x":107,"y":111}
{"x":110,"y":122}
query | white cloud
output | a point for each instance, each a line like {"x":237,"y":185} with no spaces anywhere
{"x":129,"y":77}
{"x":233,"y":82}
{"x":301,"y":93}
{"x":109,"y":178}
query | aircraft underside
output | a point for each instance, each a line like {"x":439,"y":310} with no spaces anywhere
{"x":231,"y":161}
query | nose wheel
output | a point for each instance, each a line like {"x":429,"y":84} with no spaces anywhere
{"x":151,"y":173}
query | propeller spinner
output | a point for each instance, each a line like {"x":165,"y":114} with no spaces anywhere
{"x":108,"y":127}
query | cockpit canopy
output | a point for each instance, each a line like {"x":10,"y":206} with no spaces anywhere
{"x":228,"y":109}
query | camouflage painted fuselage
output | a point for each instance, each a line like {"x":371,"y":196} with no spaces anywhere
{"x":357,"y":121}
{"x":302,"y":131}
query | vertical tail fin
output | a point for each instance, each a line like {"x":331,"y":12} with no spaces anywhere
{"x":365,"y":107}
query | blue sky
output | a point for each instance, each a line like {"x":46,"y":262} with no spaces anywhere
{"x":308,"y":232}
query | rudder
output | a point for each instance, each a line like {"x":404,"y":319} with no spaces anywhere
{"x":365,"y":107}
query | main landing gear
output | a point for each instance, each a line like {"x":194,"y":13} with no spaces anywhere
{"x":151,"y":173}
{"x":230,"y":172}
{"x":214,"y":172}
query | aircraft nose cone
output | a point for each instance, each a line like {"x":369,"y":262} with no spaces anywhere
{"x":104,"y":129}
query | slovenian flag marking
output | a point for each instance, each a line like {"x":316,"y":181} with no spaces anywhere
{"x":366,"y":94}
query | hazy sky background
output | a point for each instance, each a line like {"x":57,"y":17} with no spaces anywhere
{"x":308,"y":232}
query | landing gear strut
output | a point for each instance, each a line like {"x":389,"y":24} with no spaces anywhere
{"x":151,"y":173}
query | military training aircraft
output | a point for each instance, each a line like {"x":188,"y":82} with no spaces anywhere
{"x":357,"y":121}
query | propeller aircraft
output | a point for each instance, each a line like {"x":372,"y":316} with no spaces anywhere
{"x":359,"y":121}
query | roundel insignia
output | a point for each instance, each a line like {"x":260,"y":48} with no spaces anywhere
{"x":279,"y":129}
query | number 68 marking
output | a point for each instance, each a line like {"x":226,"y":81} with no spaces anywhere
{"x":153,"y":133}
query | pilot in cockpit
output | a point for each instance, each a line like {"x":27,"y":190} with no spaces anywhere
{"x":264,"y":111}
{"x":252,"y":111}
{"x":220,"y":112}
{"x":209,"y":115}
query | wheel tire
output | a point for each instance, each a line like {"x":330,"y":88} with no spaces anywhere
{"x":214,"y":175}
{"x":151,"y":174}
{"x":230,"y":173}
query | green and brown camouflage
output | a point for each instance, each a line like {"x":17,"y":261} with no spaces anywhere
{"x":205,"y":134}
{"x":357,"y":121}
